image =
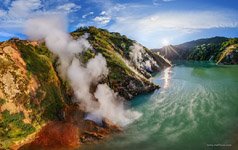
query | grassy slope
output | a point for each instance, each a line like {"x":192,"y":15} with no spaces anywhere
{"x":106,"y":43}
{"x":228,"y":47}
{"x":40,"y":64}
{"x":114,"y":47}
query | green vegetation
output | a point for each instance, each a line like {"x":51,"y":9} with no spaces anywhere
{"x":40,"y":65}
{"x":229,"y":54}
{"x":47,"y":102}
{"x":217,"y":49}
{"x":87,"y":55}
{"x":13,"y":128}
{"x":116,"y":49}
{"x":108,"y":43}
{"x":102,"y":38}
{"x":43,"y":50}
{"x":204,"y":51}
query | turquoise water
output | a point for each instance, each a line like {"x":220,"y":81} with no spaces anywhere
{"x":197,"y":106}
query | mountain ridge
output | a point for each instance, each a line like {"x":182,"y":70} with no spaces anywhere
{"x":207,"y":49}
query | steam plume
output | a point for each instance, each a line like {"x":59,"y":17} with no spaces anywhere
{"x":136,"y":53}
{"x":53,"y":29}
{"x":103,"y":103}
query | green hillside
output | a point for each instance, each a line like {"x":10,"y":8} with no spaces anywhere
{"x":32,"y":94}
{"x":217,"y":49}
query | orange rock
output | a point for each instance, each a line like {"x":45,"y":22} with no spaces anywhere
{"x":56,"y":135}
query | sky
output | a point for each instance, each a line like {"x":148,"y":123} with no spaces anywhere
{"x":153,"y":23}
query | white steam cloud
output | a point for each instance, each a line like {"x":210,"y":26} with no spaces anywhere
{"x":100,"y":103}
{"x":53,"y":29}
{"x":145,"y":62}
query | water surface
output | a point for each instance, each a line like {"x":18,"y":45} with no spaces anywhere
{"x":195,"y":109}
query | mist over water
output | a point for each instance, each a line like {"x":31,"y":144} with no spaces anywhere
{"x":197,"y":106}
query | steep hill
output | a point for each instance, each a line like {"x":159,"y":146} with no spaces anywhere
{"x":210,"y":49}
{"x":130,"y":63}
{"x":31,"y":92}
{"x":34,"y":100}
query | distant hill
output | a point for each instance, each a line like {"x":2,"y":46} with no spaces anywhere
{"x":217,"y":49}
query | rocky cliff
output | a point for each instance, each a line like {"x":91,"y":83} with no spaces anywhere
{"x":31,"y":92}
{"x":36,"y":102}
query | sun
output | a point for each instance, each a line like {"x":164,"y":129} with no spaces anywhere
{"x":165,"y":42}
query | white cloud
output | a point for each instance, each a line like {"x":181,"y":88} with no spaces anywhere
{"x":87,"y":14}
{"x":80,"y":25}
{"x":69,"y":7}
{"x":103,"y":20}
{"x":2,"y":13}
{"x":159,"y":2}
{"x":110,"y":11}
{"x":22,"y":8}
{"x":18,"y":11}
{"x":114,"y":10}
{"x":6,"y":34}
{"x":151,"y":28}
{"x":183,"y":20}
{"x":103,"y":13}
{"x":190,"y":20}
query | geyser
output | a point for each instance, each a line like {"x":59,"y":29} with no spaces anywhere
{"x":104,"y":102}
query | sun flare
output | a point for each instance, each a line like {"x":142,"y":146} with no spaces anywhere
{"x":165,"y":42}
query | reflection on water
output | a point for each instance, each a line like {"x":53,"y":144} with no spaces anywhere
{"x":195,"y":106}
{"x":166,"y":77}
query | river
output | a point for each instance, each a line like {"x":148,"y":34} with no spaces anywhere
{"x":196,"y":108}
